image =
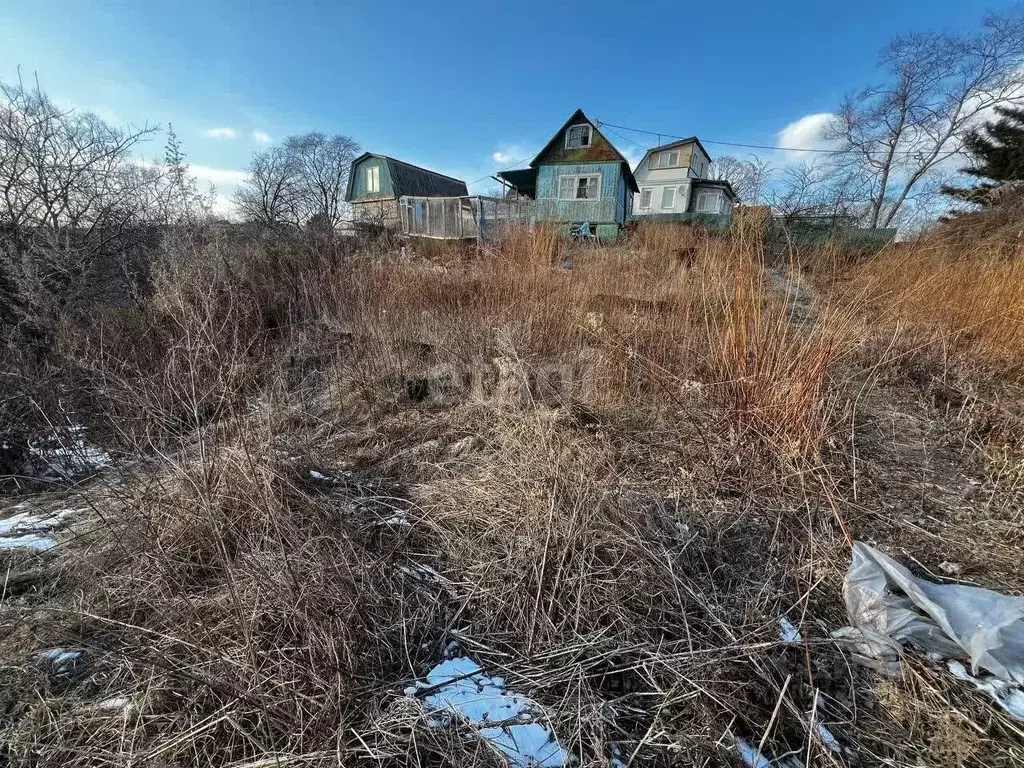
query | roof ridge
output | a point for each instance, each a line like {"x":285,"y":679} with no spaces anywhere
{"x":418,"y":167}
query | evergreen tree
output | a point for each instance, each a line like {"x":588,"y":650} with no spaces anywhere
{"x":998,"y":152}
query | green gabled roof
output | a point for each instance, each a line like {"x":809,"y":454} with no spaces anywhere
{"x":409,"y":179}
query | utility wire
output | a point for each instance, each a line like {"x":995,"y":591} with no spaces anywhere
{"x":602,"y":124}
{"x":506,"y":168}
{"x":660,"y":135}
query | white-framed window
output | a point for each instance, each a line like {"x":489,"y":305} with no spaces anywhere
{"x":580,"y":187}
{"x":645,"y":198}
{"x":708,"y":202}
{"x":668,"y":197}
{"x":578,"y":136}
{"x":373,"y":178}
{"x":667,"y":159}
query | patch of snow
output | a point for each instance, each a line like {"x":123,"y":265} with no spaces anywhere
{"x":458,"y":688}
{"x":314,"y":475}
{"x":828,"y":739}
{"x":60,"y":658}
{"x":751,"y":756}
{"x":399,"y":520}
{"x":789,"y":633}
{"x":1008,"y":696}
{"x":23,"y":530}
{"x":65,"y":453}
{"x":616,"y":760}
{"x":116,"y":704}
{"x":26,"y":522}
{"x":28,"y":541}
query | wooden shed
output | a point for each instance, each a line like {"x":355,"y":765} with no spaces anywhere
{"x":377,"y":182}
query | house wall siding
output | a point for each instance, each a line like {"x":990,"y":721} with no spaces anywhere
{"x":609,"y":209}
{"x":668,"y":174}
{"x":382,"y":211}
{"x":681,"y":184}
{"x":359,"y":191}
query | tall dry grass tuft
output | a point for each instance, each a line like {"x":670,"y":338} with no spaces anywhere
{"x":772,"y":354}
{"x":962,"y":299}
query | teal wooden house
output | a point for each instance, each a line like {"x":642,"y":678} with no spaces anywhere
{"x":578,"y":177}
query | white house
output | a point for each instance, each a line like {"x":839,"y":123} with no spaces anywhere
{"x":673,"y":179}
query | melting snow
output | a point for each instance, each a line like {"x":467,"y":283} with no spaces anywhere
{"x":60,"y":657}
{"x":23,"y":530}
{"x":26,"y":522}
{"x":828,"y":739}
{"x":788,"y":631}
{"x":1010,"y":697}
{"x":116,"y":704}
{"x":28,"y":541}
{"x":751,"y":756}
{"x":507,"y":721}
{"x":65,"y":453}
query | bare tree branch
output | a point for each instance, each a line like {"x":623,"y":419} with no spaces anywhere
{"x":939,"y":86}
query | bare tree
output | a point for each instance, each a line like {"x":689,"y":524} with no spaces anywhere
{"x":304,"y":177}
{"x":271,"y":195}
{"x":71,"y":195}
{"x":939,"y":86}
{"x":178,"y":197}
{"x":749,"y":178}
{"x":323,"y":164}
{"x":815,"y":190}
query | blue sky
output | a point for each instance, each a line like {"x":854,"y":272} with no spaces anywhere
{"x":465,"y":88}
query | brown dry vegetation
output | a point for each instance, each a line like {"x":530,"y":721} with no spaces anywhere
{"x":606,"y":483}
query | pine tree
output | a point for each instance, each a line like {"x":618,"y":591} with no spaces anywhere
{"x":998,"y":152}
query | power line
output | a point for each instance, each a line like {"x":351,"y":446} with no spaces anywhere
{"x":507,"y":168}
{"x":660,"y":135}
{"x":624,"y":138}
{"x":602,"y":124}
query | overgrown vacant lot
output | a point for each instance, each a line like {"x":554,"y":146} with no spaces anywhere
{"x":606,"y":485}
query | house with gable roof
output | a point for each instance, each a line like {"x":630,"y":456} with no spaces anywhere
{"x":673,"y":183}
{"x":579,"y":176}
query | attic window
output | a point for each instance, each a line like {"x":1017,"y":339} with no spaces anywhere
{"x":578,"y":136}
{"x":373,"y":179}
{"x":668,"y":159}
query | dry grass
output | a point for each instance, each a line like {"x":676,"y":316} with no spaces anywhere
{"x":959,"y":293}
{"x":605,"y":483}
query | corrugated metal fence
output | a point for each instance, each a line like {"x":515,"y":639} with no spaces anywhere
{"x":462,"y":218}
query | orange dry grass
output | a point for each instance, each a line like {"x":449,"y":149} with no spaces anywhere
{"x":630,"y":325}
{"x":965,"y":299}
{"x":773,"y":361}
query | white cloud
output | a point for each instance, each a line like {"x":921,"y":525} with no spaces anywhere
{"x":221,"y":133}
{"x":510,"y":154}
{"x":633,"y":155}
{"x":805,"y":133}
{"x":225,"y":181}
{"x":260,"y":137}
{"x":226,"y":176}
